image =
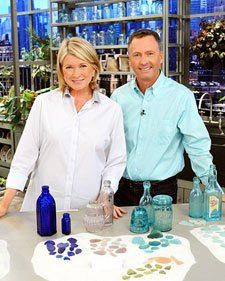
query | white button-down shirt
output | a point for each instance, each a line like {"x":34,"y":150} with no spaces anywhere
{"x":72,"y":152}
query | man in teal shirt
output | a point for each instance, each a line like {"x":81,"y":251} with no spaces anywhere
{"x":161,"y":120}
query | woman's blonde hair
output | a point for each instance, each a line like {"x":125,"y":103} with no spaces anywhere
{"x":83,"y":50}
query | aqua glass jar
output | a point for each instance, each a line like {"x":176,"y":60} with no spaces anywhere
{"x":163,"y":212}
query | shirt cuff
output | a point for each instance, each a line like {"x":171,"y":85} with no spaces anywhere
{"x":114,"y":182}
{"x":16,"y":181}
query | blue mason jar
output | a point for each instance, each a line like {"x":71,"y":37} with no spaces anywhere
{"x":163,"y":212}
{"x":46,"y":213}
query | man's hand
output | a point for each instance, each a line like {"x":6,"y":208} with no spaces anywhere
{"x":223,"y":198}
{"x":118,"y":212}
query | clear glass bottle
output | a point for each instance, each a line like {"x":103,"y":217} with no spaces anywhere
{"x":212,"y":198}
{"x":131,"y":8}
{"x":110,"y":36}
{"x":121,"y":10}
{"x":106,"y":197}
{"x":144,"y":7}
{"x":146,"y":201}
{"x":163,"y":212}
{"x":46,"y":213}
{"x":66,"y":224}
{"x":106,"y":11}
{"x":196,"y":200}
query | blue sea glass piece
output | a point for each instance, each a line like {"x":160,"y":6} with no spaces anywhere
{"x":61,"y":250}
{"x":175,"y":241}
{"x":138,"y":240}
{"x":154,"y":248}
{"x":72,"y":240}
{"x":155,"y":234}
{"x":66,"y":258}
{"x":169,"y":237}
{"x":154,"y":243}
{"x":52,"y":253}
{"x":51,"y":248}
{"x":59,"y":256}
{"x":144,"y":246}
{"x":70,"y":254}
{"x":78,"y":251}
{"x":49,"y":242}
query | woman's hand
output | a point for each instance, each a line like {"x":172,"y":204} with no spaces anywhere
{"x":118,"y":212}
{"x":3,"y":210}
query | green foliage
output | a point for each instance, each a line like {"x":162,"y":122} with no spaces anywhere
{"x":16,"y":108}
{"x":209,"y":44}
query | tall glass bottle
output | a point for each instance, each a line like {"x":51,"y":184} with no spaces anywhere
{"x":196,"y":200}
{"x":144,"y":7}
{"x":107,"y":199}
{"x":212,"y":198}
{"x":46,"y":213}
{"x":146,"y":201}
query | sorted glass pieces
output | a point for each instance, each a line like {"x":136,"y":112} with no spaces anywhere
{"x":66,"y":259}
{"x":50,"y":247}
{"x":101,"y":253}
{"x":169,"y":237}
{"x":175,"y":241}
{"x":154,"y":248}
{"x":168,"y":267}
{"x":149,"y":251}
{"x":52,"y":253}
{"x":138,"y":275}
{"x":95,"y":240}
{"x":78,"y":251}
{"x":72,"y":240}
{"x":61,"y":250}
{"x":154,"y":243}
{"x":162,"y":272}
{"x":155,"y":234}
{"x":126,"y":277}
{"x":70,"y":254}
{"x":148,"y":265}
{"x":140,"y":269}
{"x":49,"y":242}
{"x":144,"y":246}
{"x":121,"y":250}
{"x":131,"y":272}
{"x":147,"y":272}
{"x":158,"y":266}
{"x":138,"y":240}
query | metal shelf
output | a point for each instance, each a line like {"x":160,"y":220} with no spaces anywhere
{"x":105,"y":21}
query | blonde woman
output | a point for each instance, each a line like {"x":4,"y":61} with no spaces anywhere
{"x":73,"y":139}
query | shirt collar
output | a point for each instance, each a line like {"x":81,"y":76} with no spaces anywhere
{"x":154,"y":88}
{"x":95,"y":98}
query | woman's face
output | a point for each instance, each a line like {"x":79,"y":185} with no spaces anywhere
{"x":77,"y":73}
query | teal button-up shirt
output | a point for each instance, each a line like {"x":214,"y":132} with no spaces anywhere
{"x":158,"y":127}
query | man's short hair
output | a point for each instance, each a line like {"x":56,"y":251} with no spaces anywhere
{"x":140,"y":33}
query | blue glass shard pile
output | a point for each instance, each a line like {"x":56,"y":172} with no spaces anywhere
{"x":63,"y":250}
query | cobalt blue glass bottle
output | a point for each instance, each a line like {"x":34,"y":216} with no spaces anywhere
{"x":46,"y":213}
{"x":66,"y":224}
{"x":196,"y":200}
{"x":146,"y":201}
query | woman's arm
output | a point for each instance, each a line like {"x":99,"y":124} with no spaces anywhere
{"x":6,"y":200}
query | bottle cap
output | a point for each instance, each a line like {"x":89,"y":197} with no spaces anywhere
{"x":66,"y":215}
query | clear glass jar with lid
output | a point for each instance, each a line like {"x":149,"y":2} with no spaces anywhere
{"x":163,"y":212}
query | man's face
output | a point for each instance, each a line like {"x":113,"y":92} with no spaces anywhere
{"x":145,"y":59}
